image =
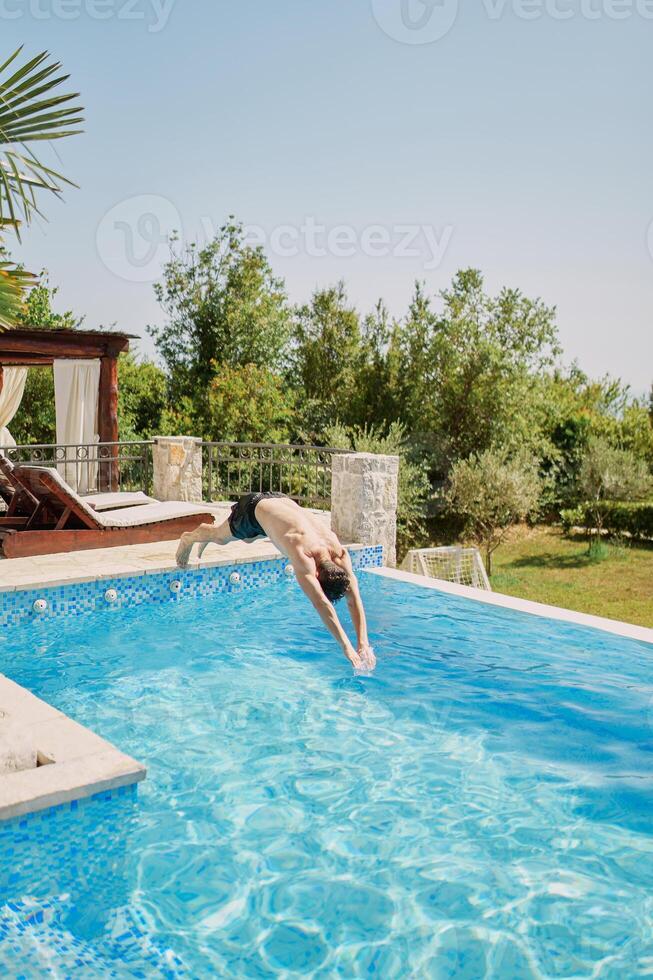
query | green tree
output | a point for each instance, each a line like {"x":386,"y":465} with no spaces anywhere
{"x":223,"y":306}
{"x":247,"y":404}
{"x":142,"y":398}
{"x":378,"y":382}
{"x":467,"y":372}
{"x":574,"y":409}
{"x":326,"y":359}
{"x":417,"y":368}
{"x":38,"y":312}
{"x":610,"y":474}
{"x":492,"y":491}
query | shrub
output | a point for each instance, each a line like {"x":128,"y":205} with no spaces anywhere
{"x":240,"y":404}
{"x":491,"y":492}
{"x":572,"y":517}
{"x":618,"y":518}
{"x":247,"y":403}
{"x":609,"y":474}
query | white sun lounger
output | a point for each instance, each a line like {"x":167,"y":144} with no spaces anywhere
{"x":64,"y":521}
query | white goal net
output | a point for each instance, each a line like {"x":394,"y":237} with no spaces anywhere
{"x":463,"y":566}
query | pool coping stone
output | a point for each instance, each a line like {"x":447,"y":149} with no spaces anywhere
{"x":74,"y":762}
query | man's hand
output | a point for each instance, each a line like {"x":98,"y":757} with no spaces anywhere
{"x":353,"y":657}
{"x":366,"y":656}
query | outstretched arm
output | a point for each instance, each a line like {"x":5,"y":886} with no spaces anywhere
{"x":357,"y":613}
{"x":310,"y":586}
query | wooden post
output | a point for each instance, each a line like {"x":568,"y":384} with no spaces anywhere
{"x":108,"y":421}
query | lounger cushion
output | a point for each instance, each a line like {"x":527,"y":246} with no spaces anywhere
{"x":149,"y":514}
{"x":124,"y":517}
{"x":113,"y":501}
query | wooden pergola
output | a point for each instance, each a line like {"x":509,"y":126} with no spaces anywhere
{"x":30,"y":347}
{"x":41,"y":348}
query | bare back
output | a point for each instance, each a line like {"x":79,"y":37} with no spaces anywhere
{"x":297,"y":533}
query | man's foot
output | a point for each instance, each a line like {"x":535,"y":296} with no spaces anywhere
{"x":185,"y":547}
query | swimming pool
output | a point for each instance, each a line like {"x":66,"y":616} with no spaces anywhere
{"x":480,"y":806}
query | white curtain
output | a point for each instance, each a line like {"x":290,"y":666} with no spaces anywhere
{"x":11,"y":396}
{"x":76,"y":388}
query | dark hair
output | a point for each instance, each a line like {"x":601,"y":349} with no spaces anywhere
{"x":333,"y":579}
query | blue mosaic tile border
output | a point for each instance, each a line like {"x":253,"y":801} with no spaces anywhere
{"x":38,"y":825}
{"x":80,"y":598}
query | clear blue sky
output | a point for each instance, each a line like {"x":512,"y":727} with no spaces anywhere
{"x":525,"y":146}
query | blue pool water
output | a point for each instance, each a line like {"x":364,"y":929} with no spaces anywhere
{"x":481,"y":806}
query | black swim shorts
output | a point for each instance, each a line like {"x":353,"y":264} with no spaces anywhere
{"x":242,"y":520}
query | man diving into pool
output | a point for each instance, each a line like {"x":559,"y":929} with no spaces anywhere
{"x":322,"y":566}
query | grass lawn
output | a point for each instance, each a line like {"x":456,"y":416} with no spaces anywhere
{"x":543,"y":565}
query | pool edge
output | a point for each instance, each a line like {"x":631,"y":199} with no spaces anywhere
{"x":75,"y":763}
{"x":76,"y":597}
{"x":615,"y":626}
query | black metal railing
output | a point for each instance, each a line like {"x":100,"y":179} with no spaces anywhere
{"x":229,"y":468}
{"x":94,"y":467}
{"x":234,"y":468}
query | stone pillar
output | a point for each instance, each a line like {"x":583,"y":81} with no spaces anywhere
{"x":177,"y":468}
{"x":364,"y":500}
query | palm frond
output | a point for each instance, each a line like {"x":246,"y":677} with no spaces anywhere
{"x":14,"y":282}
{"x":29,"y":113}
